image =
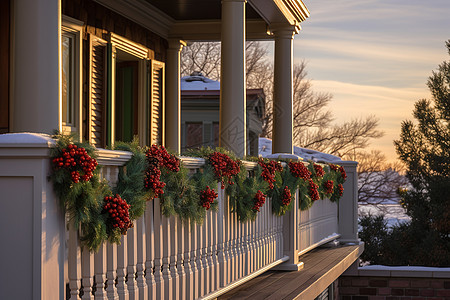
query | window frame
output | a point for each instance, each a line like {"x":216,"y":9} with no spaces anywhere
{"x":73,"y":28}
{"x":141,"y":55}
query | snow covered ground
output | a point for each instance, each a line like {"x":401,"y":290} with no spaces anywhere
{"x":394,"y":212}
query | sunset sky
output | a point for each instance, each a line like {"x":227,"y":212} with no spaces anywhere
{"x":374,"y":56}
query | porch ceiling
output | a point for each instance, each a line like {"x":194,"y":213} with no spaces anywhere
{"x":184,"y":10}
{"x":201,"y":19}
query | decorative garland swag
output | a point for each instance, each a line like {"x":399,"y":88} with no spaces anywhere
{"x":104,"y":214}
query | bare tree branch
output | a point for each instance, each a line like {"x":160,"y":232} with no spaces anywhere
{"x":313,"y":121}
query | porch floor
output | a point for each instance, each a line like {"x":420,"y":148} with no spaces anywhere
{"x":322,"y":266}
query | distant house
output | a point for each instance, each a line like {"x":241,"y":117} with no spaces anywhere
{"x":200,"y":112}
{"x":108,"y":70}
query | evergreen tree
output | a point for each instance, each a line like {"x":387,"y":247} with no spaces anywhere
{"x":425,"y":149}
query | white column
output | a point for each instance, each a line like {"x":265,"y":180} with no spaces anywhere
{"x":282,"y":91}
{"x":348,"y":205}
{"x":36,"y":66}
{"x":173,"y":96}
{"x":232,"y":133}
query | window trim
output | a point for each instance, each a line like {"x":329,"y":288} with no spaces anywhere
{"x":141,"y":54}
{"x":74,"y":28}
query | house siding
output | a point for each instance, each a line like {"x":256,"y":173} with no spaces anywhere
{"x":4,"y":65}
{"x":100,"y":21}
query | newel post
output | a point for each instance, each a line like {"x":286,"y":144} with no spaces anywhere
{"x":348,"y":205}
{"x":31,"y":221}
{"x":290,"y":243}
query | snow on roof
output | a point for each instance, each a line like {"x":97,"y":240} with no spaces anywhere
{"x":197,"y":82}
{"x":265,"y":150}
{"x":404,"y":268}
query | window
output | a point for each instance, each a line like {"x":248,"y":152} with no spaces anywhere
{"x":216,"y":134}
{"x":194,"y":135}
{"x":71,"y":75}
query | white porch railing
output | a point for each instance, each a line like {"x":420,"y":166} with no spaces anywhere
{"x":161,"y":258}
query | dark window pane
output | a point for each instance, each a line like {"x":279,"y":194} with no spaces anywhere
{"x":194,"y":135}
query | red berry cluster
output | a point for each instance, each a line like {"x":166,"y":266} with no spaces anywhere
{"x":207,"y":197}
{"x":333,"y":167}
{"x":313,"y":192}
{"x":340,"y":189}
{"x":286,"y":196}
{"x":76,"y":160}
{"x":157,"y":158}
{"x":299,"y":170}
{"x":163,"y":158}
{"x":118,"y":215}
{"x":224,"y":166}
{"x":269,"y":169}
{"x":328,"y":186}
{"x":343,"y":173}
{"x":258,"y":200}
{"x":319,"y":170}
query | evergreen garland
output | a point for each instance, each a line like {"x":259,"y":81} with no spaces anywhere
{"x":155,"y":173}
{"x":130,"y":185}
{"x":285,"y":187}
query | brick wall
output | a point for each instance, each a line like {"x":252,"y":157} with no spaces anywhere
{"x":388,"y":287}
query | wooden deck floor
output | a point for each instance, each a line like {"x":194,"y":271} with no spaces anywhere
{"x":321,"y":267}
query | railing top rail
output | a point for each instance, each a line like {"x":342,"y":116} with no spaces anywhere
{"x":113,"y":157}
{"x":192,"y":162}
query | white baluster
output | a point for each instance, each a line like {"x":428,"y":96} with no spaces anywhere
{"x":132,"y":262}
{"x":87,"y":273}
{"x":111,"y":272}
{"x":271,"y":231}
{"x":209,"y":250}
{"x":247,"y":248}
{"x":172,"y":235}
{"x":180,"y":259}
{"x":194,"y":260}
{"x":228,"y":240}
{"x":158,"y":244}
{"x":266,"y":238}
{"x":244,"y":232}
{"x":221,"y":238}
{"x":200,"y":265}
{"x":187,"y":261}
{"x":239,"y":251}
{"x":122,"y":288}
{"x":204,"y":244}
{"x":215,"y":249}
{"x":255,"y":242}
{"x":251,"y":245}
{"x":150,"y":269}
{"x":100,"y":272}
{"x":141,"y":253}
{"x":261,"y":241}
{"x":74,"y":263}
{"x":233,"y":246}
{"x":168,"y":290}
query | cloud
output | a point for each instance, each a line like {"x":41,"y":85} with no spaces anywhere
{"x":374,"y":56}
{"x":390,"y":105}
